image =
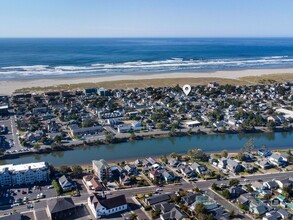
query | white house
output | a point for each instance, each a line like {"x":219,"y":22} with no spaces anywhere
{"x":101,"y":206}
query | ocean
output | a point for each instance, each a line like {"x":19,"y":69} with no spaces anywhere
{"x":53,"y":58}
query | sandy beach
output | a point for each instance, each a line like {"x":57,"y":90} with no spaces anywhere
{"x":7,"y":87}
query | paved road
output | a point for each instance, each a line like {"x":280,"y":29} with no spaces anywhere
{"x":227,"y":205}
{"x":204,"y":185}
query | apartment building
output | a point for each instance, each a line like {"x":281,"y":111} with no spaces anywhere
{"x":23,"y":174}
{"x":102,"y":169}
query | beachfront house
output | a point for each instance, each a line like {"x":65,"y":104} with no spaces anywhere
{"x":200,"y":169}
{"x":233,"y":165}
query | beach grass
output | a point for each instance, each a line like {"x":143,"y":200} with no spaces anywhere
{"x":162,"y":82}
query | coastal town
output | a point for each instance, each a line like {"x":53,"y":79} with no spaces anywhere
{"x":59,"y":120}
{"x":253,"y":183}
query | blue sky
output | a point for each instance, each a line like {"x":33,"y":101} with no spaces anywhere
{"x":146,"y":18}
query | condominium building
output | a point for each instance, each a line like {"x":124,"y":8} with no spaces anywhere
{"x":102,"y":169}
{"x":23,"y":174}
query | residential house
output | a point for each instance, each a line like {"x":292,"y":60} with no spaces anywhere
{"x":284,"y":183}
{"x":138,"y":163}
{"x":200,"y":169}
{"x":130,"y":169}
{"x":264,"y":164}
{"x":155,"y":199}
{"x":245,"y":198}
{"x":271,"y":185}
{"x":222,"y":164}
{"x":154,"y":174}
{"x":174,"y":213}
{"x":92,"y":182}
{"x":187,"y":171}
{"x":233,"y":165}
{"x":257,"y":208}
{"x":277,"y":159}
{"x":236,"y":191}
{"x":189,"y":198}
{"x":164,"y":207}
{"x":257,"y":185}
{"x":264,"y":153}
{"x":272,"y":215}
{"x":168,"y":176}
{"x":284,"y":214}
{"x":65,"y":184}
{"x":173,"y":162}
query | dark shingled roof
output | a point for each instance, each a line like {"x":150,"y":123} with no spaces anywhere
{"x":113,"y":202}
{"x":56,"y":205}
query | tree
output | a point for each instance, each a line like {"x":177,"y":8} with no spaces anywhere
{"x":199,"y":208}
{"x":76,"y":171}
{"x":226,"y":194}
{"x":156,"y":213}
{"x":234,"y":182}
{"x":267,"y":197}
{"x":224,"y":153}
{"x":232,"y":213}
{"x":57,"y":139}
{"x":214,"y":186}
{"x":57,"y":187}
{"x":132,"y":216}
{"x":160,"y":125}
{"x":271,"y":125}
{"x":198,"y":154}
{"x":109,"y":137}
{"x":64,"y":169}
{"x":88,"y":122}
{"x":37,"y":147}
{"x":240,"y":155}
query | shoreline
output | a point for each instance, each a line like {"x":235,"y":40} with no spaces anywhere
{"x":90,"y":145}
{"x":8,"y":86}
{"x":156,"y":157}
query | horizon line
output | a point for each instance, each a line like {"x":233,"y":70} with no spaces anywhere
{"x":227,"y":37}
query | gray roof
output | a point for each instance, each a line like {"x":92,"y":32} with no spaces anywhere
{"x":284,"y":213}
{"x":113,"y":202}
{"x":158,"y":198}
{"x":63,"y":181}
{"x":175,"y":213}
{"x":189,"y":198}
{"x":101,"y":164}
{"x":275,"y":156}
{"x":60,"y":204}
{"x":232,"y":163}
{"x":164,"y":207}
{"x":15,"y":216}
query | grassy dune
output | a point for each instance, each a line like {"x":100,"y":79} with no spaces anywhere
{"x":127,"y":84}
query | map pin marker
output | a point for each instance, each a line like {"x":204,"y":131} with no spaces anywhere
{"x":186,"y":89}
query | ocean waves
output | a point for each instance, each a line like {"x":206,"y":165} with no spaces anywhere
{"x":136,"y":67}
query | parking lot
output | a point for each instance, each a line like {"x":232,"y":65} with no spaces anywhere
{"x":11,"y":142}
{"x":17,"y":196}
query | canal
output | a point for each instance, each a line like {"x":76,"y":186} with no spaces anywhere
{"x":155,"y":147}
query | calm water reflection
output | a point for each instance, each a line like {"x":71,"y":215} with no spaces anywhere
{"x":163,"y":146}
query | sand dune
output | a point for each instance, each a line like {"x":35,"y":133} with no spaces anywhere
{"x":9,"y":86}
